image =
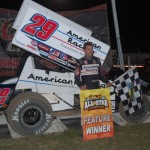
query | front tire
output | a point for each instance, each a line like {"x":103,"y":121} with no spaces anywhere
{"x":29,"y":113}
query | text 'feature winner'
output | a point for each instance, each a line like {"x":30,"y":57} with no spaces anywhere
{"x":96,"y":114}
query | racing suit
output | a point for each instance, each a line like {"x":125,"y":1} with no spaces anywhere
{"x":89,"y":73}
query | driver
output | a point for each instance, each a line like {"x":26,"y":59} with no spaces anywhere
{"x":88,"y":70}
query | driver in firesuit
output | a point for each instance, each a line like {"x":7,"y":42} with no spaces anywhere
{"x":88,"y":70}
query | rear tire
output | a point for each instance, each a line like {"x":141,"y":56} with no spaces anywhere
{"x":140,"y":115}
{"x":29,"y":113}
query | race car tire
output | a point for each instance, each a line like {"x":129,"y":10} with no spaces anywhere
{"x":139,"y":116}
{"x":29,"y":113}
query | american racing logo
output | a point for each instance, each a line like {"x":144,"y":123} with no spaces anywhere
{"x":95,"y":102}
{"x":79,"y":39}
{"x":91,"y":69}
{"x":52,"y":80}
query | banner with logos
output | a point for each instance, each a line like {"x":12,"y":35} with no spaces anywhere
{"x":12,"y":54}
{"x":96,"y":114}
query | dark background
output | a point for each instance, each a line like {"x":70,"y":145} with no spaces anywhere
{"x":133,"y":18}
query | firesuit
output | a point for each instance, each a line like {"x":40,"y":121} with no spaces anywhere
{"x":90,"y":73}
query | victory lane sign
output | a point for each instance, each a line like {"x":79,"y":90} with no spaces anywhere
{"x":96,"y":113}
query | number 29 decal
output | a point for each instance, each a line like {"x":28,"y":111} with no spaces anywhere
{"x":41,"y":27}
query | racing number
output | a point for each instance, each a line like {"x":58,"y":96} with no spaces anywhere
{"x":41,"y":27}
{"x":3,"y":95}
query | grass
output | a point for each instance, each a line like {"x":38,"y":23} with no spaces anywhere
{"x":131,"y":137}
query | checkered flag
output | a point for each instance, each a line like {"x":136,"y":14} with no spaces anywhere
{"x":113,"y":97}
{"x":129,"y":90}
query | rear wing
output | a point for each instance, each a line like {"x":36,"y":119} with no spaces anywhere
{"x":53,"y":37}
{"x":59,"y":18}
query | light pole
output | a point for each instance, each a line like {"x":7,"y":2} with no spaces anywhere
{"x":121,"y":60}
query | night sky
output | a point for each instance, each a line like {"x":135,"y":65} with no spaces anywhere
{"x":133,"y":18}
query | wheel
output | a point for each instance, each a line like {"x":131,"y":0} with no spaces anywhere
{"x":29,"y":113}
{"x":140,"y":115}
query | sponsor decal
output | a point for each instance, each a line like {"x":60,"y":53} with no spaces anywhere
{"x":95,"y":102}
{"x":43,"y":53}
{"x":91,"y":69}
{"x":75,"y":39}
{"x":51,"y":80}
{"x":43,"y":47}
{"x":40,"y":27}
{"x":64,"y":56}
{"x":34,"y":43}
{"x":53,"y":54}
{"x":31,"y":47}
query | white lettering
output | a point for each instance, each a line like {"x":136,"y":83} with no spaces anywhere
{"x":98,"y":129}
{"x":96,"y":119}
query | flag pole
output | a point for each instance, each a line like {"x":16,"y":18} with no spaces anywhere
{"x":121,"y":60}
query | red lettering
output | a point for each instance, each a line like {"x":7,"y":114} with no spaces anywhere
{"x":40,"y":27}
{"x":43,"y":47}
{"x":3,"y":95}
{"x":33,"y":48}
